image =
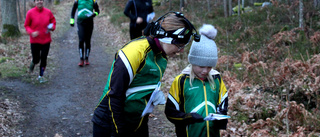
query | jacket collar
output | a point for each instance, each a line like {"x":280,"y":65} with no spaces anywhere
{"x":39,"y":10}
{"x":155,"y":45}
{"x":187,"y":70}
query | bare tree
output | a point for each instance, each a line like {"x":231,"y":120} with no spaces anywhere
{"x":316,"y":3}
{"x":230,"y":7}
{"x":181,"y":5}
{"x":24,"y":8}
{"x":242,"y":3}
{"x":208,"y":2}
{"x":300,"y":13}
{"x":239,"y":7}
{"x":9,"y":18}
{"x":225,"y":8}
{"x":19,"y":12}
{"x":163,"y":2}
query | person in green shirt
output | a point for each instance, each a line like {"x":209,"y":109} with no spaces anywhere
{"x":85,"y":26}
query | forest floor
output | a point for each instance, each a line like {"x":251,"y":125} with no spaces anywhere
{"x":64,"y":105}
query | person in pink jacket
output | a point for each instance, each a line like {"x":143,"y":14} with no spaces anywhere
{"x":38,"y":24}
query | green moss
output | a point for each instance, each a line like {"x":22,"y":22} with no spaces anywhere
{"x":8,"y":70}
{"x":56,"y":2}
{"x":10,"y":31}
{"x":4,"y":59}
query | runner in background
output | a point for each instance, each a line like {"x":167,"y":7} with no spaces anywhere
{"x":39,"y":23}
{"x":85,"y":26}
{"x":140,"y":13}
{"x":198,"y":91}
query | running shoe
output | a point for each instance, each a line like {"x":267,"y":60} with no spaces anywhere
{"x":81,"y":63}
{"x":31,"y":67}
{"x":86,"y":62}
{"x":41,"y":79}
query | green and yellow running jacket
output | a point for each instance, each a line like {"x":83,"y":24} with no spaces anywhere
{"x":85,"y":9}
{"x":198,"y":98}
{"x":138,"y":67}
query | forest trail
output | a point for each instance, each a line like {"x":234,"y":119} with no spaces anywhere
{"x":64,"y":105}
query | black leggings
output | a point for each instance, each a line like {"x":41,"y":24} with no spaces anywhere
{"x":85,"y":32}
{"x":136,"y":30}
{"x":40,"y":53}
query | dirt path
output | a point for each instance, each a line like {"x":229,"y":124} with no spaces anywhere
{"x":64,"y":105}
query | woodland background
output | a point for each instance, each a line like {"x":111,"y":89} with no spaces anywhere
{"x":269,"y":58}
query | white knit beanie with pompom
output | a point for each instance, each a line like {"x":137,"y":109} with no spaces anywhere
{"x":204,"y":53}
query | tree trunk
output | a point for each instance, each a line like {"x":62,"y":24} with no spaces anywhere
{"x":230,"y":7}
{"x":10,"y":26}
{"x":24,"y":8}
{"x":18,"y":10}
{"x":225,"y":8}
{"x":208,"y":1}
{"x":242,"y":5}
{"x":316,"y":3}
{"x":300,"y":14}
{"x":239,"y":6}
{"x":163,"y":2}
{"x":48,"y":3}
{"x":181,"y":5}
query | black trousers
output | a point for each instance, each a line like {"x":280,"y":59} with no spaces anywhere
{"x":136,"y":30}
{"x":85,"y":29}
{"x":40,"y":53}
{"x":99,"y":131}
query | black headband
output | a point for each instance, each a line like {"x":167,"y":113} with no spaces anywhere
{"x":155,"y":29}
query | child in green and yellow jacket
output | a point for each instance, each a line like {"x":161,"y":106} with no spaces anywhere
{"x":198,"y":91}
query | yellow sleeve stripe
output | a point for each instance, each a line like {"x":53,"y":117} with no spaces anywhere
{"x":175,"y":90}
{"x":175,"y":118}
{"x":135,"y":53}
{"x":223,"y":92}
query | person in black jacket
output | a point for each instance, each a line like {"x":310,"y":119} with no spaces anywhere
{"x":138,"y":11}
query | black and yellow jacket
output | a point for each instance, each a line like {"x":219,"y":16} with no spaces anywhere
{"x":135,"y":73}
{"x":198,"y":98}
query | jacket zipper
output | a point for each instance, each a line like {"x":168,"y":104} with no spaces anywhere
{"x":205,"y":98}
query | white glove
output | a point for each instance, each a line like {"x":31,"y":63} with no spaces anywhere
{"x":159,"y":99}
{"x":150,"y":17}
{"x":50,"y":26}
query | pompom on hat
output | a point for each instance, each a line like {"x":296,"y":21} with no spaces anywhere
{"x":204,"y":53}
